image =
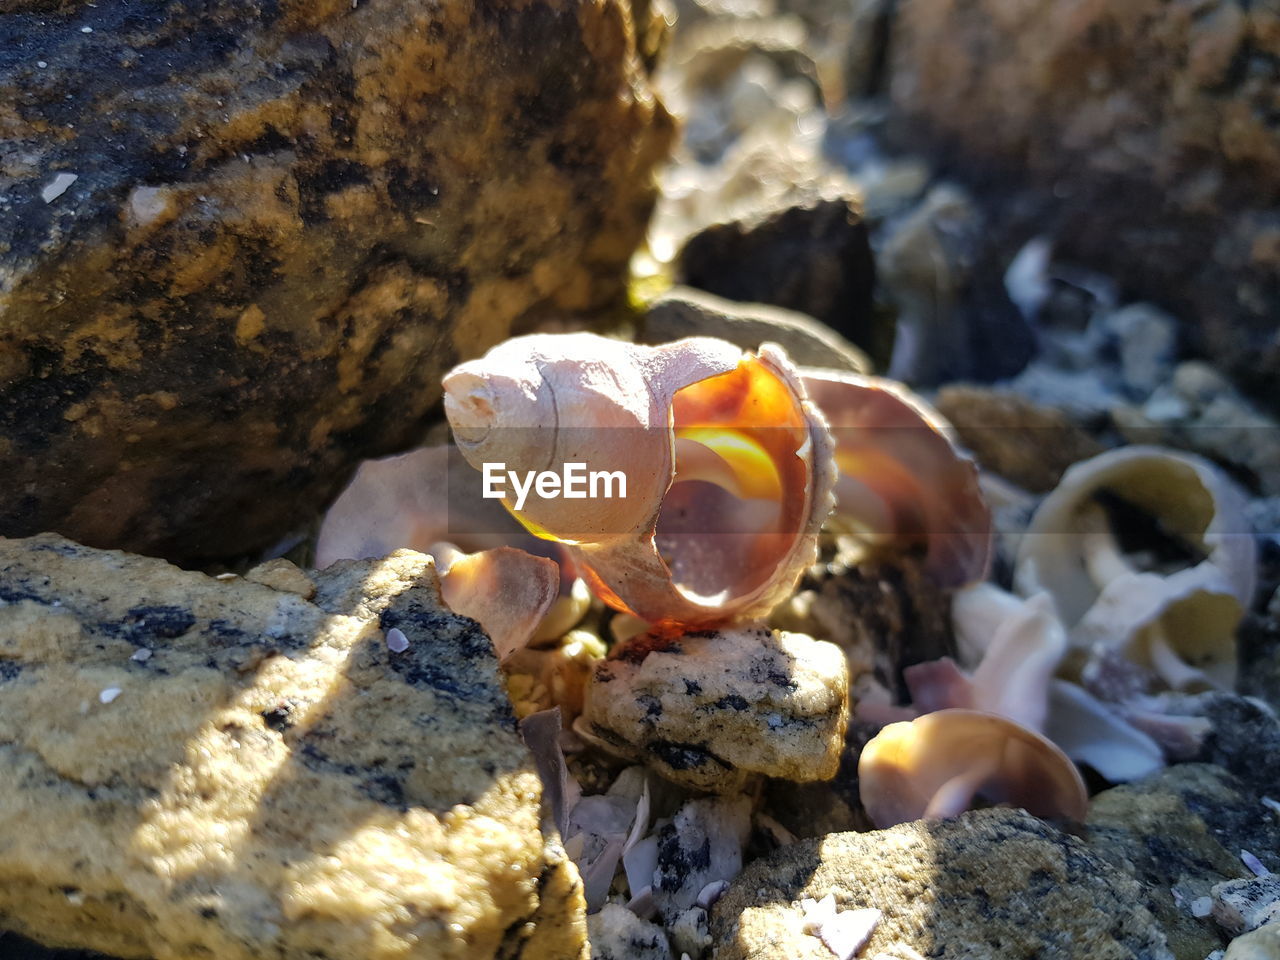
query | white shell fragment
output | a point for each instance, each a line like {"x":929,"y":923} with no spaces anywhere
{"x":397,"y":642}
{"x":728,"y":469}
{"x":57,"y":186}
{"x":1174,"y":618}
{"x":109,"y":694}
{"x":843,"y":932}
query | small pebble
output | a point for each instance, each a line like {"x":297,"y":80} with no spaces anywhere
{"x":397,"y":642}
{"x":41,"y":64}
{"x":1272,"y":805}
{"x":1201,"y":907}
{"x":86,"y":29}
{"x":109,"y":694}
{"x":142,"y":655}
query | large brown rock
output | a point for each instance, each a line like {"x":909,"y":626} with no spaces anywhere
{"x":269,"y":778}
{"x":1151,"y":129}
{"x":240,"y":242}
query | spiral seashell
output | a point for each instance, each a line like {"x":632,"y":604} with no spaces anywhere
{"x":728,"y":468}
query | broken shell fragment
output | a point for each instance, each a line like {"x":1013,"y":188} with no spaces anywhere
{"x":1146,"y":552}
{"x":937,"y":765}
{"x":412,"y":501}
{"x":901,"y":481}
{"x":505,"y":590}
{"x":726,"y":468}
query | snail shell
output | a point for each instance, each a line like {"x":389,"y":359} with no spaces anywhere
{"x":728,"y":468}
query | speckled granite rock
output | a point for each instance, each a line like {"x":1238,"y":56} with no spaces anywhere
{"x":814,"y":257}
{"x":993,"y":883}
{"x":708,"y":709}
{"x":271,"y":780}
{"x":618,"y":934}
{"x":1180,"y":832}
{"x":686,"y":312}
{"x":240,"y":242}
{"x":1011,"y":436}
{"x":1148,"y":128}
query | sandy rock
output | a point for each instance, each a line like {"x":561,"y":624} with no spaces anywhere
{"x":618,"y":934}
{"x":273,"y":780}
{"x":811,"y":257}
{"x":284,"y":575}
{"x":1021,"y":441}
{"x":710,"y":708}
{"x":992,"y":883}
{"x":287,"y":220}
{"x":686,"y":312}
{"x":1180,"y":833}
{"x":1261,"y":944}
{"x":1144,"y":125}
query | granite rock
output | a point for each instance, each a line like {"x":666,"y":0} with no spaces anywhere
{"x":708,"y":709}
{"x":1147,"y":129}
{"x":240,"y":242}
{"x":685,"y":312}
{"x":272,"y":780}
{"x":618,"y":934}
{"x":1180,"y":833}
{"x":991,"y":883}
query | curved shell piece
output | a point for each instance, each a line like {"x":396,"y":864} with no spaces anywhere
{"x":1178,"y":623}
{"x":413,"y":500}
{"x":505,"y":590}
{"x":901,"y":478}
{"x":728,"y":469}
{"x":937,"y":765}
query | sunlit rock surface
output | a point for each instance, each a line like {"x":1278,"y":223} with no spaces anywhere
{"x":194,"y":767}
{"x":992,"y":883}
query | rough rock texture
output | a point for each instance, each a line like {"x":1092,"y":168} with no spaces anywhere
{"x":813,"y":257}
{"x":1180,"y":832}
{"x":286,"y":220}
{"x":707,"y":709}
{"x":271,"y":780}
{"x":1009,"y":435}
{"x":618,"y":934}
{"x":1150,"y":127}
{"x":994,"y":883}
{"x":1262,"y":944}
{"x":701,"y":845}
{"x":685,"y":312}
{"x":1244,"y":905}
